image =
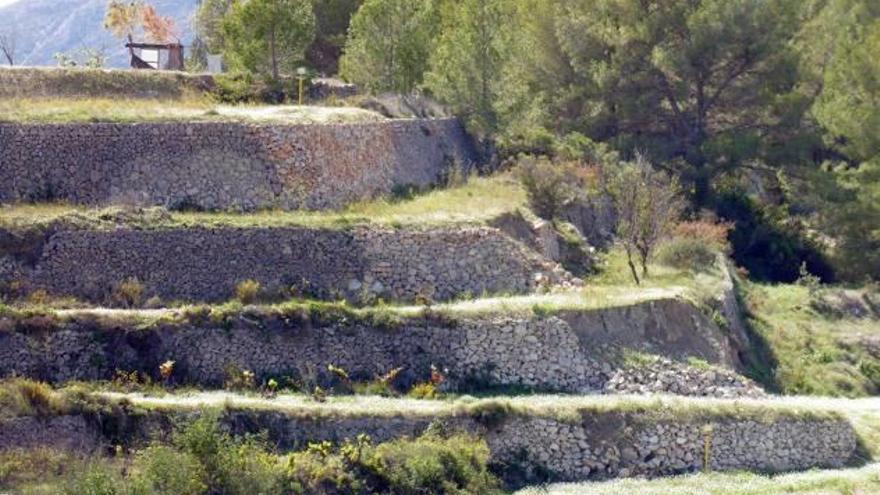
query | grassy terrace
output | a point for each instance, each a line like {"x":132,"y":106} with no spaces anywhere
{"x":540,"y":305}
{"x":462,"y":204}
{"x":861,"y":481}
{"x":79,"y":82}
{"x":817,"y":349}
{"x":563,"y":407}
{"x":17,"y":398}
{"x":94,"y":110}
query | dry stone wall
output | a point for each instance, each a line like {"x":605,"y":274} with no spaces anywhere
{"x":204,"y":264}
{"x":543,"y":353}
{"x":220,"y":166}
{"x":605,"y":446}
{"x":589,"y":445}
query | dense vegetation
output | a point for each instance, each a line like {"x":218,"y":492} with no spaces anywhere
{"x":765,"y":111}
{"x":203,"y":458}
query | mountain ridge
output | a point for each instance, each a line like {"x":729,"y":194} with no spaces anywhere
{"x":43,"y":28}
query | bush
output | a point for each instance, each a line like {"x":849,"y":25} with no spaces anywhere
{"x":161,"y":469}
{"x":239,"y":380}
{"x":95,"y":479}
{"x":424,"y":391}
{"x":247,"y":291}
{"x":313,"y":473}
{"x":232,"y":466}
{"x":235,"y":88}
{"x":433,"y":464}
{"x":687,"y":253}
{"x":128,"y":294}
{"x":549,"y":186}
{"x":712,"y":233}
{"x":249,"y":468}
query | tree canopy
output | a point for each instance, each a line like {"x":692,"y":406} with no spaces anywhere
{"x":268,"y":36}
{"x":694,"y":84}
{"x":389,"y":44}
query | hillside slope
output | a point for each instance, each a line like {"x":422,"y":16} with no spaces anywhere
{"x":43,"y":28}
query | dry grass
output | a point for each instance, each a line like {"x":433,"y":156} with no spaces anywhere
{"x":21,"y":397}
{"x":55,"y":82}
{"x":192,"y":108}
{"x":562,"y":407}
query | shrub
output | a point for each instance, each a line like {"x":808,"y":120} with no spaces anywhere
{"x":205,"y":440}
{"x":161,"y":469}
{"x":687,"y":254}
{"x":314,"y":473}
{"x":95,"y":479}
{"x":249,"y":468}
{"x":247,"y":291}
{"x":432,"y":464}
{"x":238,"y":379}
{"x":130,"y":381}
{"x":548,"y":186}
{"x":695,"y":245}
{"x":128,"y":293}
{"x":39,"y":297}
{"x":166,"y":370}
{"x":232,"y":466}
{"x":712,"y":233}
{"x":424,"y":391}
{"x":235,"y":87}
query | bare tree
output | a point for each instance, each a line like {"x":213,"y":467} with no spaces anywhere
{"x":648,"y":204}
{"x":7,"y":46}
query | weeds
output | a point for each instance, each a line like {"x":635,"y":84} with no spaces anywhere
{"x":128,"y":294}
{"x":248,"y":291}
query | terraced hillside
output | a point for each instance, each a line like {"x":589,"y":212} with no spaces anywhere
{"x":156,"y":325}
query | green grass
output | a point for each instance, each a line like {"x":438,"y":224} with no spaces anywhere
{"x":41,"y":471}
{"x":461,"y":204}
{"x":810,"y":352}
{"x":185,"y":109}
{"x":54,"y":313}
{"x":862,"y":481}
{"x":615,"y":272}
{"x":18,"y":399}
{"x":815,"y":353}
{"x":561,"y":407}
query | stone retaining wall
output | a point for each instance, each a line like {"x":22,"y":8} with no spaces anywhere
{"x":202,"y":264}
{"x":226,"y":165}
{"x":598,"y":445}
{"x":573,"y":352}
{"x":611,"y":445}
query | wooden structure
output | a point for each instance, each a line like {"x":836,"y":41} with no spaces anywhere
{"x":155,"y":56}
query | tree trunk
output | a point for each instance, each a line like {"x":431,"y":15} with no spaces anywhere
{"x":273,"y":54}
{"x":697,"y":160}
{"x":632,"y":267}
